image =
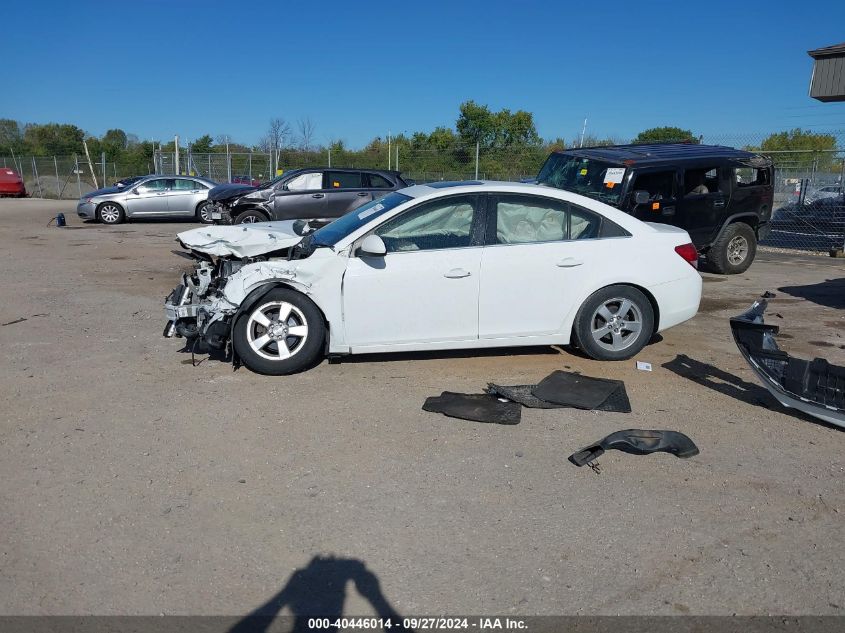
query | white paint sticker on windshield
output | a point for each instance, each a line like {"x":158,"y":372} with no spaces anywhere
{"x":614,"y":175}
{"x":374,"y":209}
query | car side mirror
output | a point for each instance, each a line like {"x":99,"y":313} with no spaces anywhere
{"x":373,"y":246}
{"x":641,"y":197}
{"x":136,"y":192}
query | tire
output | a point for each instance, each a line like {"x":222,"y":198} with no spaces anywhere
{"x":204,"y":212}
{"x":600,"y":336}
{"x":260,"y":350}
{"x":110,"y":213}
{"x":249,"y":216}
{"x":734,"y":250}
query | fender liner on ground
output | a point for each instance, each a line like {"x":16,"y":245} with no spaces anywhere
{"x":637,"y":442}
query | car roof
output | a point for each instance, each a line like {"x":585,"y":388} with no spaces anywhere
{"x":658,"y":153}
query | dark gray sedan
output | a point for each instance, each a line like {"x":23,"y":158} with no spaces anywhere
{"x":150,"y":197}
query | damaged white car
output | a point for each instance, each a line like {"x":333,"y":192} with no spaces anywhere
{"x":440,"y":266}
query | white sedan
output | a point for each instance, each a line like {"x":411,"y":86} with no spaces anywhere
{"x":438,"y":266}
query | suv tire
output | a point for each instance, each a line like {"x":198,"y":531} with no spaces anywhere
{"x":734,"y":250}
{"x":614,"y":344}
{"x":282,"y":317}
{"x":251,"y":216}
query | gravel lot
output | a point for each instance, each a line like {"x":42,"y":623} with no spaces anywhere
{"x":134,"y":483}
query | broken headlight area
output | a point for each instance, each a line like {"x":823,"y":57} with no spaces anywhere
{"x":815,"y":387}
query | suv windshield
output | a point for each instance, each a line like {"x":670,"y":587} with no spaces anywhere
{"x":589,"y":177}
{"x":332,"y":233}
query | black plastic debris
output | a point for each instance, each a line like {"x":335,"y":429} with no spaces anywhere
{"x":637,"y":442}
{"x":478,"y":407}
{"x":616,"y":402}
{"x":813,"y":386}
{"x":583,"y":392}
{"x":768,"y":295}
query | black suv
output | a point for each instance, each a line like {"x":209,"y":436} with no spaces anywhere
{"x":308,"y":194}
{"x":720,"y":195}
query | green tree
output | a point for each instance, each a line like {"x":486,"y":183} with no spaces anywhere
{"x":666,"y":135}
{"x":53,"y":139}
{"x":478,"y":124}
{"x":203,"y":145}
{"x":805,"y":148}
{"x":113,"y":143}
{"x":11,"y":136}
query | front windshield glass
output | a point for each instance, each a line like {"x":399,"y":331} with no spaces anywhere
{"x":332,"y":233}
{"x":594,"y":178}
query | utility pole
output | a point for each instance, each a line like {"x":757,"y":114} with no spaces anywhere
{"x":388,"y":150}
{"x":228,"y":162}
{"x":476,"y":159}
{"x":103,"y":159}
{"x":176,"y":153}
{"x":583,"y":132}
{"x":90,"y":164}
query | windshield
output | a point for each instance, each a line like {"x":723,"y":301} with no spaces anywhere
{"x":332,"y":233}
{"x":594,"y":178}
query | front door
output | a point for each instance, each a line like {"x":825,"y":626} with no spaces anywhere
{"x":148,"y":198}
{"x":302,"y":197}
{"x":703,"y":207}
{"x":424,"y":291}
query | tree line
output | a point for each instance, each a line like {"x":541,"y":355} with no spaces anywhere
{"x":500,"y":135}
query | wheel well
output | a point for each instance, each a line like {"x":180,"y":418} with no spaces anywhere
{"x":267,"y":288}
{"x":250,"y":208}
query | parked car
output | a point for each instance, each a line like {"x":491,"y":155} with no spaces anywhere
{"x":310,"y":194}
{"x":822,"y":216}
{"x":125,"y":182}
{"x":11,"y":184}
{"x":150,"y":197}
{"x":438,"y":266}
{"x":828,"y":191}
{"x":721,"y":195}
{"x":245,"y":180}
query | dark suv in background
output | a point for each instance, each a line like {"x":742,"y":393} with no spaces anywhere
{"x":307,"y":194}
{"x":720,"y":195}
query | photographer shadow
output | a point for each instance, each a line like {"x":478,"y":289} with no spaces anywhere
{"x":319,"y":591}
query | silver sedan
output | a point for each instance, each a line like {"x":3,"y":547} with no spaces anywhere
{"x":150,"y":197}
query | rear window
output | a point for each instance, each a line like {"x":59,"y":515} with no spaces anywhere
{"x":379,"y":182}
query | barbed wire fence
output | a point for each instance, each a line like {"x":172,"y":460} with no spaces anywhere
{"x":808,"y":207}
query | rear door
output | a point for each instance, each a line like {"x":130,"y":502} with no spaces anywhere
{"x":183,"y":197}
{"x":345,"y":190}
{"x":148,"y":198}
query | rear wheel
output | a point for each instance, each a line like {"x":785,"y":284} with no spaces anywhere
{"x":110,"y":213}
{"x":281,"y":334}
{"x":251,"y":216}
{"x":204,"y":212}
{"x":614,"y":323}
{"x":734,"y":250}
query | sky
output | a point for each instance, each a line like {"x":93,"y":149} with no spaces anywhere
{"x":362,"y":69}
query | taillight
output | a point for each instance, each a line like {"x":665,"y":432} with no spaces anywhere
{"x":689,"y":253}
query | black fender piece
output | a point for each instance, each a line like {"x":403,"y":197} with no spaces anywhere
{"x":637,"y":442}
{"x":815,"y":387}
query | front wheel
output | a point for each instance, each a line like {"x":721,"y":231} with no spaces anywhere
{"x":614,"y":323}
{"x":250,"y":217}
{"x":204,"y":212}
{"x":282,"y":333}
{"x":734,"y":250}
{"x":110,"y":213}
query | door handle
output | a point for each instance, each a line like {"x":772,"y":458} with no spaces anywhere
{"x":569,"y":262}
{"x":318,"y":195}
{"x":363,"y":193}
{"x":457,"y":273}
{"x":162,"y":193}
{"x":719,"y":204}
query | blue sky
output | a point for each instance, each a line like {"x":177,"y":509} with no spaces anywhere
{"x":359,"y":69}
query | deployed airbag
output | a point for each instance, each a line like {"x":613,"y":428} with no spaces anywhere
{"x":478,"y":407}
{"x":637,"y":442}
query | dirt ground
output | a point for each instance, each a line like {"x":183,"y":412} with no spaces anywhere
{"x":135,"y":483}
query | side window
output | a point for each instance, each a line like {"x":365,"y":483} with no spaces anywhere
{"x":528,"y":219}
{"x":584,"y":225}
{"x":444,"y":223}
{"x":379,"y":182}
{"x":343,"y":180}
{"x":183,"y":184}
{"x":750,"y":177}
{"x":160,"y":184}
{"x":306,"y":182}
{"x":701,"y":181}
{"x":660,"y":185}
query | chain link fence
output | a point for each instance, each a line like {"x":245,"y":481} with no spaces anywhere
{"x":808,"y":209}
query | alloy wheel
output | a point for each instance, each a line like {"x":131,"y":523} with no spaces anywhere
{"x":277,"y":330}
{"x":737,"y":250}
{"x":109,"y":213}
{"x":616,"y":324}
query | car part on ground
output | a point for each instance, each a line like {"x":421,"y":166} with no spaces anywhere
{"x":617,"y":400}
{"x":721,"y":195}
{"x":11,"y":184}
{"x":149,"y":197}
{"x":311,"y":194}
{"x":637,"y":442}
{"x":406,"y":273}
{"x":574,"y":390}
{"x":815,"y":387}
{"x":477,"y":407}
